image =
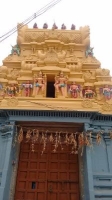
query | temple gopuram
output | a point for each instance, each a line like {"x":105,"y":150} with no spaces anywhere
{"x":55,"y":117}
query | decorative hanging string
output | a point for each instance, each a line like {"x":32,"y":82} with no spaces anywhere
{"x":76,"y":141}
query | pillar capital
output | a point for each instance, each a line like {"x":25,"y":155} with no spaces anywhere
{"x":6,"y":130}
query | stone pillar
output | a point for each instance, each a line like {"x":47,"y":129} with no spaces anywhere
{"x":6,"y":135}
{"x":88,"y":174}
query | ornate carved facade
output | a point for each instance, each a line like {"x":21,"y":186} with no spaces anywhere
{"x":54,"y":66}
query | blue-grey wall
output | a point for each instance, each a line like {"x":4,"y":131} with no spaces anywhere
{"x":101,"y":158}
{"x":98,"y":163}
{"x":98,"y":170}
{"x":6,"y":157}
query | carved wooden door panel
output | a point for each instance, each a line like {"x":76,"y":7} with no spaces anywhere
{"x":51,"y":176}
{"x":63,"y":176}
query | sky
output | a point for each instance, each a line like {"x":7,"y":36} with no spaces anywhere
{"x":95,"y":13}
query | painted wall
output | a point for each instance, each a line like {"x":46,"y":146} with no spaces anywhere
{"x":6,"y":135}
{"x":101,"y":158}
{"x":98,"y":170}
{"x":98,"y":163}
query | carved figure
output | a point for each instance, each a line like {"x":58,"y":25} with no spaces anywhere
{"x":54,"y":26}
{"x":106,"y":90}
{"x":45,"y":26}
{"x":73,"y":27}
{"x":88,"y":93}
{"x":35,"y":25}
{"x":74,"y":67}
{"x":15,"y":50}
{"x":41,"y":55}
{"x":51,"y":56}
{"x":89,"y":52}
{"x":60,"y":83}
{"x":63,"y":27}
{"x":27,"y":88}
{"x":75,"y":90}
{"x":39,"y":83}
{"x":61,"y":55}
{"x":12,"y":90}
{"x":87,"y":75}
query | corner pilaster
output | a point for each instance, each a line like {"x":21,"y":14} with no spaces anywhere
{"x":6,"y":134}
{"x":88,"y":174}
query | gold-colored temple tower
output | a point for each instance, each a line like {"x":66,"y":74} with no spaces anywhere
{"x":54,"y":69}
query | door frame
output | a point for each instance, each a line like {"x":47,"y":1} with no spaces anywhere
{"x":15,"y":170}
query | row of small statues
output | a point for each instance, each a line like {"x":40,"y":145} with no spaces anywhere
{"x":61,"y":87}
{"x":63,"y":27}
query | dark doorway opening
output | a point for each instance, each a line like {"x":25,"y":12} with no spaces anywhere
{"x":50,"y":90}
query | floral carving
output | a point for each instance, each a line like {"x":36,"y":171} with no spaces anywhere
{"x":14,"y":74}
{"x":12,"y":102}
{"x":28,"y":65}
{"x":102,"y":72}
{"x":74,"y":67}
{"x":87,"y":103}
{"x":89,"y":75}
{"x":107,"y":107}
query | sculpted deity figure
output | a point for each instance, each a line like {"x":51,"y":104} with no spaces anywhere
{"x":63,"y":27}
{"x":12,"y":90}
{"x":54,"y":26}
{"x":75,"y":90}
{"x":39,"y":83}
{"x":73,"y":27}
{"x":107,"y":92}
{"x":45,"y":26}
{"x":89,"y":51}
{"x":15,"y":50}
{"x":89,"y":93}
{"x":61,"y":83}
{"x":27,"y":88}
{"x":35,"y":25}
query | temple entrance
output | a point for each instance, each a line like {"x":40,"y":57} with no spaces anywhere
{"x":50,"y":86}
{"x":50,"y":90}
{"x":51,"y":175}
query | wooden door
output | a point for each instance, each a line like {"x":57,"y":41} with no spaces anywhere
{"x":51,"y":176}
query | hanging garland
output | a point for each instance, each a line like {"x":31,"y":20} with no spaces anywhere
{"x":76,"y":140}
